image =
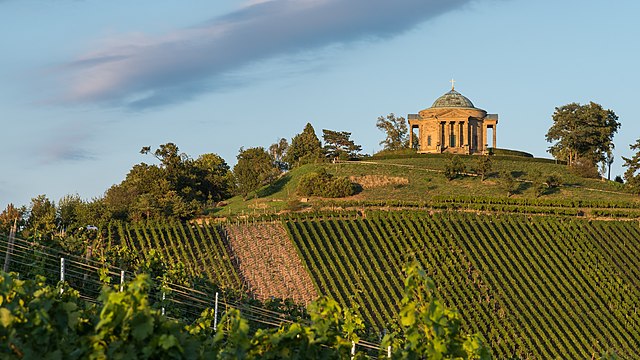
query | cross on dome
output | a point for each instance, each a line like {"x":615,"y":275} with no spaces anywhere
{"x":452,"y":84}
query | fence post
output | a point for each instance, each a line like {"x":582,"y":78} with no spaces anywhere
{"x":12,"y":238}
{"x":121,"y":280}
{"x":163,"y":303}
{"x":389,"y":352}
{"x":353,"y":349}
{"x":215,"y":314}
{"x":61,"y":273}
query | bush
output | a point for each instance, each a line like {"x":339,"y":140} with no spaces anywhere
{"x":323,"y":184}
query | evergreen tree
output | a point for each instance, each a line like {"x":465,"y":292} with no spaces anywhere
{"x":305,"y":148}
{"x":338,"y":144}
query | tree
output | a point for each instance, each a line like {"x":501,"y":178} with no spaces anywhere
{"x":11,"y":215}
{"x":305,"y":148}
{"x":453,"y":168}
{"x":254,"y":169}
{"x":338,"y":144}
{"x":508,"y":183}
{"x":278,"y":152}
{"x":69,"y":209}
{"x":41,"y":223}
{"x":632,"y":174}
{"x":483,"y":166}
{"x":215,"y":178}
{"x":582,"y":132}
{"x":396,"y":131}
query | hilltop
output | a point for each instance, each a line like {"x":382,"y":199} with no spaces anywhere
{"x":416,"y":178}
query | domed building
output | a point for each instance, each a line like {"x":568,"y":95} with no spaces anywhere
{"x":452,"y":125}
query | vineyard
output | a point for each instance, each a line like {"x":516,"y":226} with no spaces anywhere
{"x":201,"y":248}
{"x":536,"y":287}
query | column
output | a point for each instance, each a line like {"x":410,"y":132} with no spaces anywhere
{"x":495,"y":134}
{"x":411,"y":136}
{"x":447,"y":135}
{"x":467,"y":131}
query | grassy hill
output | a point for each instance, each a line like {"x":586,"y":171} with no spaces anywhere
{"x":419,"y":178}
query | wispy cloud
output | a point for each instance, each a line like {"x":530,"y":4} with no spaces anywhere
{"x":65,"y":143}
{"x":138,"y":71}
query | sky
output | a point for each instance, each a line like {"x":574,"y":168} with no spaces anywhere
{"x":85,"y":84}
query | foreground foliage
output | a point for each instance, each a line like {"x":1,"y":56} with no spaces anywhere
{"x":41,"y":321}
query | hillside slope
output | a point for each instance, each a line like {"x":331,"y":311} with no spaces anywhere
{"x":421,"y":178}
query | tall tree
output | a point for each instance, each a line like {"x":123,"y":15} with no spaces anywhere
{"x":396,"y":130}
{"x":215,"y":179}
{"x":69,"y":209}
{"x":632,"y":174}
{"x":582,"y":132}
{"x":305,"y":148}
{"x":338,"y":144}
{"x":254,"y":169}
{"x":41,"y":223}
{"x":278,"y":152}
{"x":11,"y":215}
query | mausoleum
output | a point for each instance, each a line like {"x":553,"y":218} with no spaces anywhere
{"x":452,"y":125}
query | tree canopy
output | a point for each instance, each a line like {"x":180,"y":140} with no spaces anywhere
{"x":338,"y":144}
{"x":178,"y":187}
{"x":255,"y":168}
{"x":582,"y":132}
{"x":305,"y":148}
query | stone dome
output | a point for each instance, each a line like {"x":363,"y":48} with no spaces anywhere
{"x":452,"y":99}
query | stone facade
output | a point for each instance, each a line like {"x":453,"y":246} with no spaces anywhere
{"x":452,"y":125}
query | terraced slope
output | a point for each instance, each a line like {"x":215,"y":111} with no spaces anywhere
{"x":536,"y":287}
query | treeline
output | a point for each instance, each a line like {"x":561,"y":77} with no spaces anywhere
{"x":178,"y":186}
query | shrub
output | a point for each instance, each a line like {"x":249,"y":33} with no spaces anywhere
{"x":323,"y":184}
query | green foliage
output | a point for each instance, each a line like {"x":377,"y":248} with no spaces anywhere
{"x":254,"y":169}
{"x":179,"y":187}
{"x":396,"y":131}
{"x":278,"y":152}
{"x":41,"y":223}
{"x":323,"y":184}
{"x":632,"y":174}
{"x":37,"y":322}
{"x":11,"y":215}
{"x":453,"y":168}
{"x":483,"y":166}
{"x":305,"y":148}
{"x":582,"y":131}
{"x":338,"y":144}
{"x":427,"y":329}
{"x":508,"y":182}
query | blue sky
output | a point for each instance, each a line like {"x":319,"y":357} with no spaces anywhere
{"x":85,"y":84}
